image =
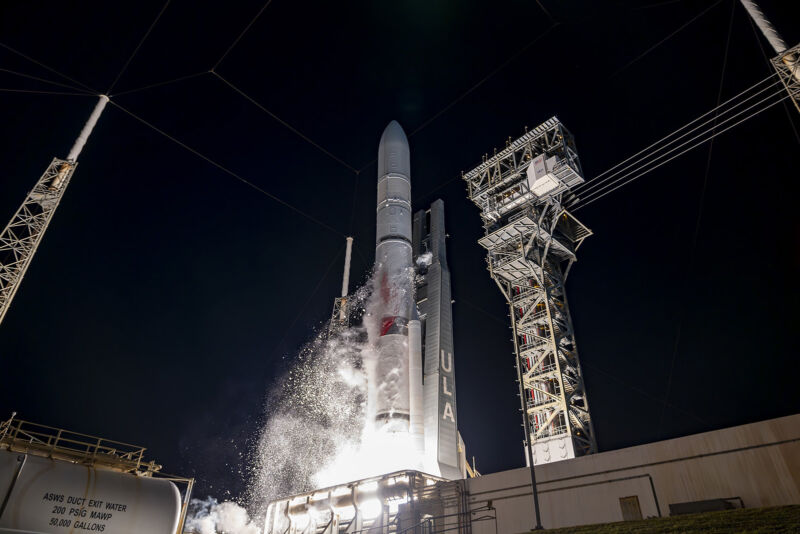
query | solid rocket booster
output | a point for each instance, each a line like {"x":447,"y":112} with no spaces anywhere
{"x":394,"y":266}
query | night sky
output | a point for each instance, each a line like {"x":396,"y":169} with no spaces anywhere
{"x":168,"y":296}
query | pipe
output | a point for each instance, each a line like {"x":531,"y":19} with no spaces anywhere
{"x":87,"y":129}
{"x":525,"y":421}
{"x":416,"y":419}
{"x":185,"y":506}
{"x":346,"y":276}
{"x":774,"y":38}
{"x":21,"y":459}
{"x":576,"y":486}
{"x":764,"y":25}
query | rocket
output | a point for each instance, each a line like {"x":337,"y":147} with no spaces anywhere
{"x":398,"y":375}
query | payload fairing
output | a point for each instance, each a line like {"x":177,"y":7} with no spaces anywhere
{"x":411,"y":391}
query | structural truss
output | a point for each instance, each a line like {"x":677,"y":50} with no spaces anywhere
{"x":340,"y":317}
{"x":530,"y":240}
{"x":787,"y":63}
{"x":21,"y":238}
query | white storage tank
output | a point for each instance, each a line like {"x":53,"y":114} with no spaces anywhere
{"x":51,"y":496}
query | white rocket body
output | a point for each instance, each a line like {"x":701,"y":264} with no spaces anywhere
{"x":398,"y":374}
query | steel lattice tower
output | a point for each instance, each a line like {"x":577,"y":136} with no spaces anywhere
{"x":787,"y":61}
{"x":531,"y":242}
{"x":21,"y":238}
{"x":787,"y":65}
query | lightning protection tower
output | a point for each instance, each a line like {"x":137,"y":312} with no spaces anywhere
{"x":530,"y":241}
{"x":340,"y":317}
{"x":787,"y":60}
{"x":21,"y":238}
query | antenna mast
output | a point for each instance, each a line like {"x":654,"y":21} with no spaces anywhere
{"x":21,"y":237}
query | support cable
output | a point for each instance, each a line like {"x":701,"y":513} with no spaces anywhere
{"x":519,"y":52}
{"x":286,"y":124}
{"x":440,"y":186}
{"x":185,"y":146}
{"x":355,"y":202}
{"x":67,"y":86}
{"x":9,"y":90}
{"x":141,"y":42}
{"x":696,"y":233}
{"x":665,"y":39}
{"x":664,"y":404}
{"x":657,"y":4}
{"x":635,"y":173}
{"x":443,"y":184}
{"x":367,"y":264}
{"x":483,"y":80}
{"x":546,"y":12}
{"x":586,"y":203}
{"x":593,"y":368}
{"x":447,"y":108}
{"x":644,"y":165}
{"x":230,"y":172}
{"x":17,"y":52}
{"x":471,"y":89}
{"x":653,"y":149}
{"x":161,"y":84}
{"x":288,"y":329}
{"x":246,"y":29}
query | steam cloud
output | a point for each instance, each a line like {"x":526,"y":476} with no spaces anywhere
{"x":316,"y":433}
{"x":210,"y":517}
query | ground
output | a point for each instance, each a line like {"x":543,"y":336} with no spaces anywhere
{"x":780,"y":519}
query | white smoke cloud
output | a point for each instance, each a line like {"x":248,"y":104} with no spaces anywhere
{"x":211,"y":517}
{"x":317,"y":410}
{"x":316,"y":432}
{"x":424,"y":260}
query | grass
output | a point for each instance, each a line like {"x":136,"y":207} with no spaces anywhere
{"x":780,"y":519}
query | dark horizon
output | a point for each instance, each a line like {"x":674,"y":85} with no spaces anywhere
{"x":168,"y":296}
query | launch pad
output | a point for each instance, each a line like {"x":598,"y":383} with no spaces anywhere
{"x":403,"y":501}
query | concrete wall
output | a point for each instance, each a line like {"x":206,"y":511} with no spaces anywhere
{"x":759,"y":462}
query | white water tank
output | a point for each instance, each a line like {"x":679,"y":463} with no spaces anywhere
{"x":57,"y":497}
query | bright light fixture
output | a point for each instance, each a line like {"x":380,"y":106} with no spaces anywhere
{"x":371,"y":508}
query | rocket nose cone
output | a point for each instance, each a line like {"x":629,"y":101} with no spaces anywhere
{"x":393,"y":153}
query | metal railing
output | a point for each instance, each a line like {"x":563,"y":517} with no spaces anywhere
{"x":26,"y":437}
{"x":42,"y":440}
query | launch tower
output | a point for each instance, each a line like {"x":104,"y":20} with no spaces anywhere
{"x":531,"y":241}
